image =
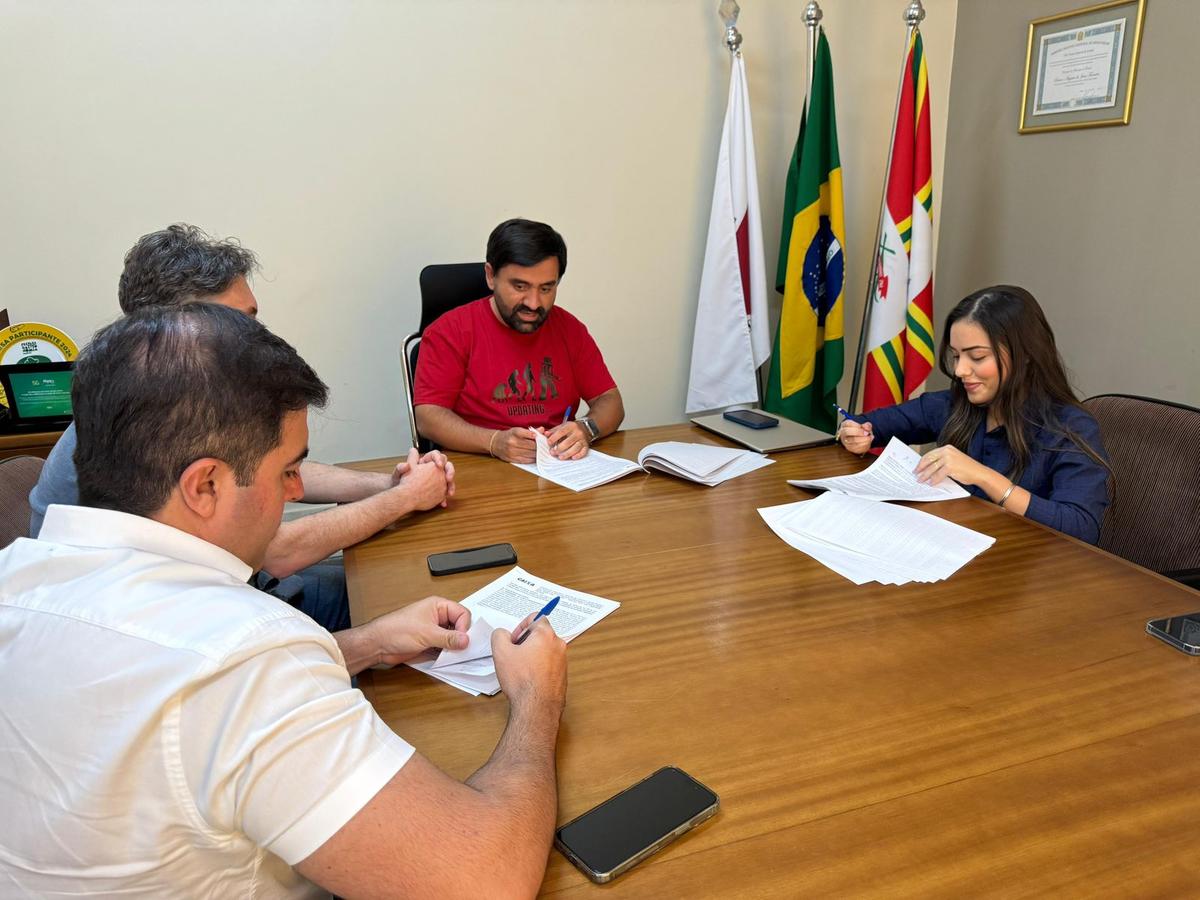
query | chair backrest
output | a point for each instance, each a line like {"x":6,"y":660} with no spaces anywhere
{"x":408,"y":369}
{"x":443,"y":287}
{"x":18,"y":475}
{"x":1154,"y":449}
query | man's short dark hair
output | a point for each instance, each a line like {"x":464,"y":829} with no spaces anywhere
{"x":523,"y":242}
{"x":178,"y":265}
{"x":165,"y":386}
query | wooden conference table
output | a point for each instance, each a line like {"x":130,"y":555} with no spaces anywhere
{"x":1010,"y":731}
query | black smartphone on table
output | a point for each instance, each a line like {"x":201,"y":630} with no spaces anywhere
{"x":750,"y":418}
{"x":453,"y":561}
{"x":623,"y":830}
{"x":1181,"y":632}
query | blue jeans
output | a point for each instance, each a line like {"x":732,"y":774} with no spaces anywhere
{"x":326,"y":600}
{"x":318,"y":591}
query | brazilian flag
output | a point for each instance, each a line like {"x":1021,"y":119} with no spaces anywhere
{"x":807,"y":362}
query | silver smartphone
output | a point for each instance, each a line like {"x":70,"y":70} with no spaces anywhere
{"x":626,"y":828}
{"x":1181,"y":632}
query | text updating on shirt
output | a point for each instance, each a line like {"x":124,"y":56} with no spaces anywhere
{"x":525,"y":395}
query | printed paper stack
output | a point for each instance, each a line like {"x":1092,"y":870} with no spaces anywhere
{"x":702,"y":463}
{"x":865,"y":540}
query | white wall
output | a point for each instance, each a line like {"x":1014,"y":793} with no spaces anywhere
{"x":350,"y":142}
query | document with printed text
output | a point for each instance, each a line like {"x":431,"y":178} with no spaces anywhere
{"x":503,"y":604}
{"x":594,"y":469}
{"x":865,"y":540}
{"x":890,"y":477}
{"x":702,"y":463}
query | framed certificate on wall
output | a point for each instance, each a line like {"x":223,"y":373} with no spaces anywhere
{"x":1080,"y":67}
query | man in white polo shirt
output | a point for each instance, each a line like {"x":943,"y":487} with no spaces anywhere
{"x":166,"y":729}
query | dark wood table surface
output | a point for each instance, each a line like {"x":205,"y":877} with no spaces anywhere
{"x":1010,"y":731}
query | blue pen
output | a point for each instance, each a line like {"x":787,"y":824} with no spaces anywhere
{"x":546,"y":610}
{"x":567,"y":416}
{"x":844,"y":413}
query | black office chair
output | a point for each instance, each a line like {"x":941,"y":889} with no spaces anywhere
{"x":1154,"y":449}
{"x":443,"y":287}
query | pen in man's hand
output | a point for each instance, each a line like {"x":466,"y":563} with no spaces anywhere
{"x":566,"y":419}
{"x":546,"y":610}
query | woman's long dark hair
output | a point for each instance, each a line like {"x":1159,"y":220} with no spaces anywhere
{"x":1033,"y":380}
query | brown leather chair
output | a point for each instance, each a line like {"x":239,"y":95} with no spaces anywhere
{"x":18,"y":475}
{"x":1154,"y":449}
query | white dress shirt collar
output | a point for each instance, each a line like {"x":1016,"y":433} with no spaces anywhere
{"x":81,"y":526}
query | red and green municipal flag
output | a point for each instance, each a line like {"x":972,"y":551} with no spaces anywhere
{"x":900,"y":337}
{"x":807,"y":362}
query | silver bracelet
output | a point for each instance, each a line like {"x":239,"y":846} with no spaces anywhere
{"x":1004,"y":497}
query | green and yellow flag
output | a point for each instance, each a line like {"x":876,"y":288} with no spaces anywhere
{"x":808,"y":359}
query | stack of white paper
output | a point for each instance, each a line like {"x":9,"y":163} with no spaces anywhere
{"x":503,"y":604}
{"x":702,"y":463}
{"x":890,"y":477}
{"x":864,"y":540}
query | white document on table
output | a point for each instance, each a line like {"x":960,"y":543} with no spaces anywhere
{"x":890,"y":477}
{"x":864,"y":540}
{"x":479,"y":645}
{"x":702,"y":463}
{"x":503,"y":604}
{"x":594,"y":469}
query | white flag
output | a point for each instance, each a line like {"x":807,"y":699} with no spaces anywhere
{"x":731,"y":339}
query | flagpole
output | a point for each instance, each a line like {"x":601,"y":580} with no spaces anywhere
{"x":914,"y":13}
{"x":729,"y":12}
{"x":813,"y":14}
{"x":733,"y":37}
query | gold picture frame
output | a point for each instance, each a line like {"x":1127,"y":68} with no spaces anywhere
{"x":1081,"y":66}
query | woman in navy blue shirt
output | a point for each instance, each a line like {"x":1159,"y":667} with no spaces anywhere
{"x":1010,"y":428}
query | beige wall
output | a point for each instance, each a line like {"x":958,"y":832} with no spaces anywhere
{"x":349,"y":143}
{"x":1099,"y":224}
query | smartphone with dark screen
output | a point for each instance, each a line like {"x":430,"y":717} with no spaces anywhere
{"x":750,"y":418}
{"x":1181,"y":632}
{"x":623,"y":830}
{"x":453,"y":561}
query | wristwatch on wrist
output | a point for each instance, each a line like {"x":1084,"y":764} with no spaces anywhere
{"x":589,"y":425}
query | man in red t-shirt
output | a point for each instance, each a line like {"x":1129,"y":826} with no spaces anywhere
{"x":490,"y":370}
